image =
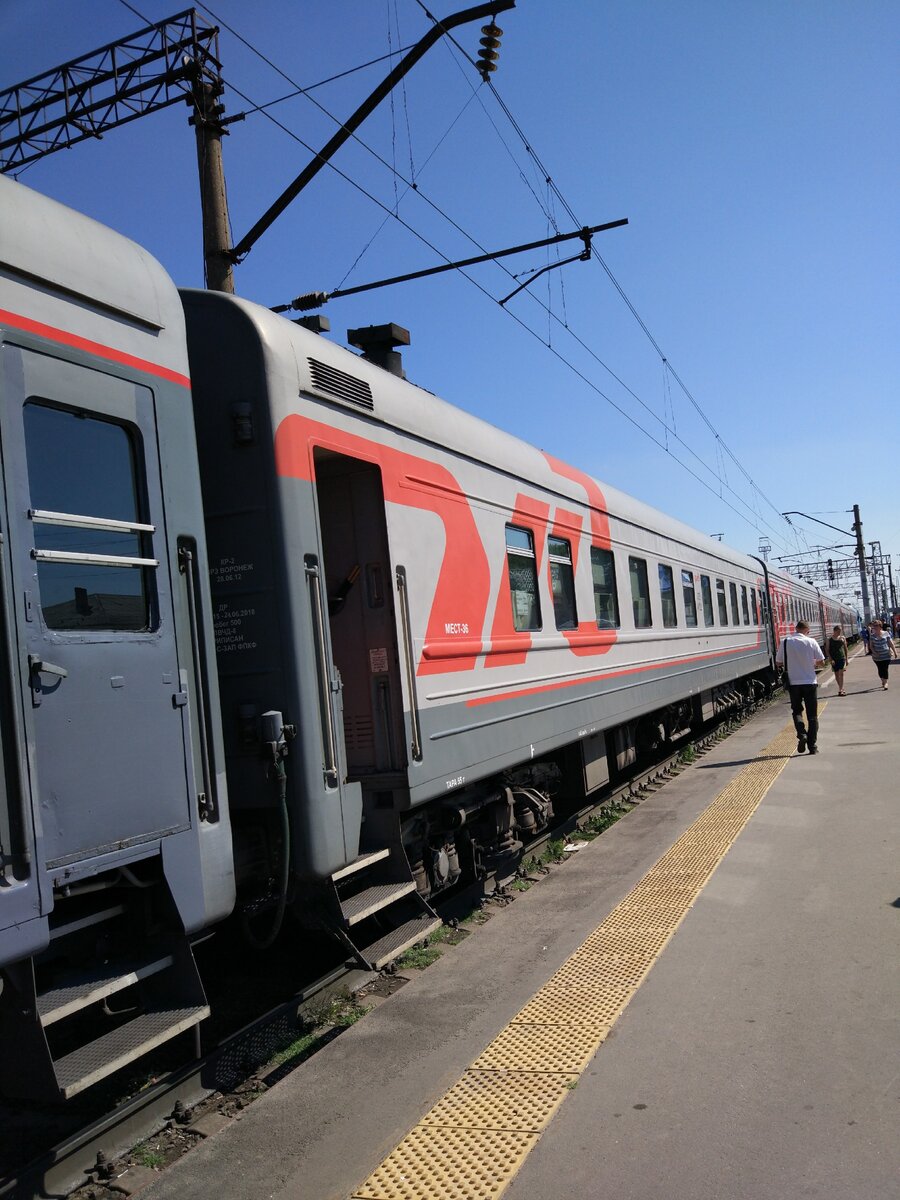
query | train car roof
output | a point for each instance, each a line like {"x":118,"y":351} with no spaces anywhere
{"x":69,"y":255}
{"x":405,"y":406}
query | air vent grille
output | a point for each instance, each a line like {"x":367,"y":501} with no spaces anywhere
{"x":341,"y":385}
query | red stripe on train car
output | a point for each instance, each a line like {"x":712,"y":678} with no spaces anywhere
{"x":64,"y":338}
{"x":564,"y":683}
{"x":584,"y":640}
{"x":459,"y":607}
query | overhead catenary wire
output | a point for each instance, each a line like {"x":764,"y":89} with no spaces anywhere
{"x":547,"y":178}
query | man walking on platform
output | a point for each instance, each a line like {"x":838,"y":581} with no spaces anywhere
{"x":799,"y":655}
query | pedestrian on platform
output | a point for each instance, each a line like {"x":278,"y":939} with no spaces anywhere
{"x":864,"y":634}
{"x":799,"y":655}
{"x":839,"y":653}
{"x":882,"y":649}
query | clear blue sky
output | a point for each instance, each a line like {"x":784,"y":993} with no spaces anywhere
{"x":752,"y":147}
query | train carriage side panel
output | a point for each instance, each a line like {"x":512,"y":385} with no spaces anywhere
{"x":98,"y":446}
{"x":404,"y":504}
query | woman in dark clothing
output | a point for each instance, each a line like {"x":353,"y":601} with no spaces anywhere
{"x":838,"y":652}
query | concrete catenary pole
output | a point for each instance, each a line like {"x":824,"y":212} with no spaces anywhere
{"x":207,"y":124}
{"x":861,"y":552}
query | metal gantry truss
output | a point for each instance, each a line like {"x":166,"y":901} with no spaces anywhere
{"x":841,"y":575}
{"x":158,"y":66}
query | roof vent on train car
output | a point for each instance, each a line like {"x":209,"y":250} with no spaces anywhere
{"x":339,"y":384}
{"x":377,"y":343}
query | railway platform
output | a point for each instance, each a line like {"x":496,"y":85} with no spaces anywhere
{"x":701,"y":1003}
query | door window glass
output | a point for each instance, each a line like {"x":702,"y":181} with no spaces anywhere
{"x":91,"y":544}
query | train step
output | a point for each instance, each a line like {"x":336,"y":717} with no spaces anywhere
{"x":374,"y":908}
{"x":373,"y":899}
{"x":77,"y":991}
{"x":63,"y":1034}
{"x":403,"y":938}
{"x":94,"y":1061}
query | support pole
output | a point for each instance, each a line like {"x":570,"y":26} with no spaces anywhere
{"x":861,"y":551}
{"x":207,"y":123}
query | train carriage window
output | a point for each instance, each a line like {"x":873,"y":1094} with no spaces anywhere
{"x":753,"y":605}
{"x":523,"y":587}
{"x":690,"y":599}
{"x":706,"y":593}
{"x":640,"y":593}
{"x":720,"y":598}
{"x":667,"y":595}
{"x":732,"y":591}
{"x":606,"y":603}
{"x":562,"y":582}
{"x":745,"y":611}
{"x":91,"y":540}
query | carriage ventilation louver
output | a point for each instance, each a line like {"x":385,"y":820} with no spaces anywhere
{"x":340,"y":385}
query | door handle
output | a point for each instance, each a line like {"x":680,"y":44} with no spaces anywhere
{"x":38,"y":666}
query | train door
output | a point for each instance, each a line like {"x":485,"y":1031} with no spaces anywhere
{"x":361,"y":611}
{"x":93,"y":607}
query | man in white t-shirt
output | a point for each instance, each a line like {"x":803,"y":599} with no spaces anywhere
{"x":800,"y":655}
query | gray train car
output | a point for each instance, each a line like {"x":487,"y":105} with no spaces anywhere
{"x":457,"y":626}
{"x":115,"y":841}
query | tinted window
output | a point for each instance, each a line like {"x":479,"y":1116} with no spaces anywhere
{"x":745,"y":611}
{"x":606,"y":604}
{"x":720,"y":598}
{"x":690,"y":599}
{"x":667,"y":595}
{"x":522,"y":568}
{"x":640,"y":593}
{"x":732,"y":591}
{"x":753,"y":605}
{"x":83,"y":482}
{"x":562,"y":583}
{"x":706,"y":593}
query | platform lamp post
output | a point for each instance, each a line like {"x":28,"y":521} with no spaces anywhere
{"x":860,"y":550}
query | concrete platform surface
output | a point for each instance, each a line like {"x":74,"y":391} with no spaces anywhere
{"x":759,"y":1057}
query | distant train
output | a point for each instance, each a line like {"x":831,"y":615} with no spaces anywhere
{"x":284,"y":632}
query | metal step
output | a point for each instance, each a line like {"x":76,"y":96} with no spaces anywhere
{"x":85,"y":922}
{"x":87,"y":987}
{"x":392,"y":945}
{"x":373,"y":899}
{"x":93,"y":1062}
{"x":360,"y":864}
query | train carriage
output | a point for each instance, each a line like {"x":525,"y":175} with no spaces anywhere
{"x":457,"y":625}
{"x":112,"y":804}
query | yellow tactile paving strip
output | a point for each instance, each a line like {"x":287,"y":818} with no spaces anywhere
{"x":474,"y":1140}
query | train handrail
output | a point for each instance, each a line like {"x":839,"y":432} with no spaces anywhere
{"x":403,"y":591}
{"x":329,"y":742}
{"x":206,"y":802}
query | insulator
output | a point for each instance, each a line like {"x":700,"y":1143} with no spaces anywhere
{"x":490,"y":43}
